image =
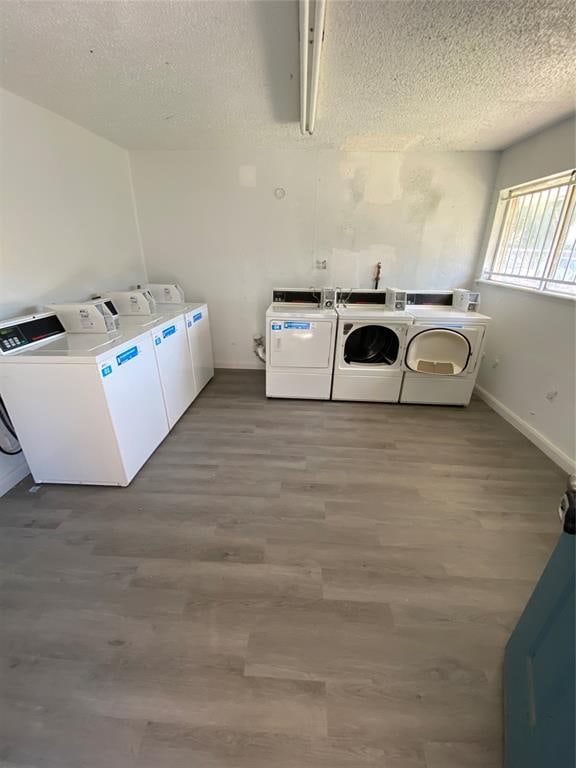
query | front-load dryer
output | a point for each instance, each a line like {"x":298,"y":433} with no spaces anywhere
{"x":300,"y":338}
{"x":370,"y":345}
{"x":442,"y":356}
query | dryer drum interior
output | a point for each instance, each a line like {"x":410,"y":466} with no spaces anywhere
{"x":372,"y":345}
{"x":438,"y":351}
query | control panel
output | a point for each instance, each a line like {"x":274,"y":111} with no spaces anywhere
{"x":439,"y":298}
{"x":10,"y":338}
{"x":295,"y":296}
{"x":466,"y":301}
{"x":396,"y":299}
{"x":22,"y":332}
{"x":369,"y":296}
{"x":328,"y":298}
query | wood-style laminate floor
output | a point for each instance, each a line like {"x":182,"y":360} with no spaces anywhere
{"x":286,"y":583}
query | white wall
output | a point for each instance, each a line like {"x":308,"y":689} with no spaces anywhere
{"x":67,"y":219}
{"x":533,"y":336}
{"x":211,"y":220}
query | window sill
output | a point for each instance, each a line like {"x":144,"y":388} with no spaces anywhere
{"x":523,"y":289}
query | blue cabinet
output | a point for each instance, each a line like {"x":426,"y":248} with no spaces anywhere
{"x":540,"y":667}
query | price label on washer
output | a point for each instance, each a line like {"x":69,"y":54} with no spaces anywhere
{"x":294,"y":325}
{"x":127,"y":355}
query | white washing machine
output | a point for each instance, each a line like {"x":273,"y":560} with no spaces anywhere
{"x":443,"y":353}
{"x":168,"y":331}
{"x":197,"y":320}
{"x":300,"y":336}
{"x":170,"y":296}
{"x":87,"y":409}
{"x":200,"y":341}
{"x":370,"y":347}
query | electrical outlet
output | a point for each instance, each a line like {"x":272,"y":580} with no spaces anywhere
{"x":321,"y":263}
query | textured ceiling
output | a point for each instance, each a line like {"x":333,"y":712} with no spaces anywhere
{"x":396,"y":74}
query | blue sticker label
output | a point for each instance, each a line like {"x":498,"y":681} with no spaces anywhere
{"x":197,"y":316}
{"x":294,"y":326}
{"x":106,"y":370}
{"x":276,"y":326}
{"x":169,"y":331}
{"x":157,"y":340}
{"x":124,"y":357}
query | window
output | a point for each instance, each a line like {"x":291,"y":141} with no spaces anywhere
{"x":533,"y":238}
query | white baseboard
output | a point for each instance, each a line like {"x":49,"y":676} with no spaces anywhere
{"x":558,"y":456}
{"x":247,"y":366}
{"x":13,"y":477}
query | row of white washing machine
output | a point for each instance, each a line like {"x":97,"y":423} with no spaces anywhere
{"x":355,"y":345}
{"x":91,"y":408}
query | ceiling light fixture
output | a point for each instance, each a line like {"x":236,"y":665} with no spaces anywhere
{"x":311,"y":39}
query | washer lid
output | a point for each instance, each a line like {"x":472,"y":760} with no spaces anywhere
{"x":79,"y":348}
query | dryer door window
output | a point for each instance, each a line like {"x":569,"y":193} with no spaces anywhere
{"x":371,"y":345}
{"x":439,"y":351}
